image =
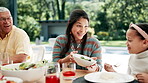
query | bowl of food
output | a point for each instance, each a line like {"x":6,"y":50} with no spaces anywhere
{"x":28,"y":72}
{"x":83,"y":60}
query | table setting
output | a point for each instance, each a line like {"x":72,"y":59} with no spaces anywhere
{"x":98,"y":77}
{"x":52,"y":72}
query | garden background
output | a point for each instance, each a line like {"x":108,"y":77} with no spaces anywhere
{"x":109,"y":19}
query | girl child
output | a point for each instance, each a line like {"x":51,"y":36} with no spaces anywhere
{"x":137,"y":44}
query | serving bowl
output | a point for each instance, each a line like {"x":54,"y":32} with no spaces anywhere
{"x":30,"y":75}
{"x":83,"y":61}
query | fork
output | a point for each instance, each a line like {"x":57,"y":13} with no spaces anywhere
{"x":117,"y":65}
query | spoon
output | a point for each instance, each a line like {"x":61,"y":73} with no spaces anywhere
{"x":117,"y":65}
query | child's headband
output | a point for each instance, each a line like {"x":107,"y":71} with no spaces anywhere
{"x":143,"y":33}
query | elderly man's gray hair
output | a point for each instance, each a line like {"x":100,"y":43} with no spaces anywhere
{"x":4,"y":9}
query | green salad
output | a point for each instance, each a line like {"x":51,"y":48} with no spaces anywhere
{"x":85,"y":58}
{"x":27,"y":66}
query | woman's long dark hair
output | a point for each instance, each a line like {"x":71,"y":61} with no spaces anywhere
{"x":74,"y":17}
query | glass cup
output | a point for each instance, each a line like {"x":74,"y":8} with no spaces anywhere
{"x":52,"y":72}
{"x":68,"y":71}
{"x":5,"y":59}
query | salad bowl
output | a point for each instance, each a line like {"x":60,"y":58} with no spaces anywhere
{"x":83,"y":61}
{"x":27,"y":75}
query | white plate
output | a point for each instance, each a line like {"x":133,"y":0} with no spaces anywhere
{"x":15,"y":79}
{"x":108,"y":77}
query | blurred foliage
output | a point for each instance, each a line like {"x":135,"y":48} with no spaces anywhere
{"x":116,"y":15}
{"x":102,"y":35}
{"x":30,"y":25}
{"x":26,"y":21}
{"x":91,"y":32}
{"x":3,"y":3}
{"x":114,"y":43}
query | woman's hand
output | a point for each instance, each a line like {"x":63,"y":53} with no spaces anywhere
{"x":69,"y":58}
{"x":142,"y":77}
{"x":108,"y":68}
{"x":94,"y":58}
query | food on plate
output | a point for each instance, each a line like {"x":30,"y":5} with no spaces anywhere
{"x":5,"y":80}
{"x":106,"y":76}
{"x":85,"y":58}
{"x":10,"y":80}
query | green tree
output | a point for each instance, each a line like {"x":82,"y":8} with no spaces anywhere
{"x":120,"y":13}
{"x":102,"y":24}
{"x":26,"y":21}
{"x":61,"y":9}
{"x":127,"y":11}
{"x":3,"y":3}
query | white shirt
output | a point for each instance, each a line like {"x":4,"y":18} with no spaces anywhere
{"x":138,"y":63}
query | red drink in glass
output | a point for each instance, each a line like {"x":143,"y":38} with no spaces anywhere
{"x":69,"y":73}
{"x":52,"y":79}
{"x":5,"y":64}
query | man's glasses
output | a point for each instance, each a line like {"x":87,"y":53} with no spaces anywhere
{"x":4,"y":19}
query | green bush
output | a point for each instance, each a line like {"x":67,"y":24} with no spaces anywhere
{"x":102,"y":35}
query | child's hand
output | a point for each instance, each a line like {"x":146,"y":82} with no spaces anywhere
{"x":142,"y":77}
{"x":108,"y":68}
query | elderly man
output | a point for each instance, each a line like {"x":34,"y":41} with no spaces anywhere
{"x":13,"y":40}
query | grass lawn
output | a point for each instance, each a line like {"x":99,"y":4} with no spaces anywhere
{"x":114,"y":43}
{"x":103,"y":43}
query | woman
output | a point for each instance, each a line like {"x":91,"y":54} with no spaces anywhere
{"x":76,"y":41}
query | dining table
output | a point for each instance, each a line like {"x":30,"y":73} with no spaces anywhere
{"x":79,"y":73}
{"x":79,"y":76}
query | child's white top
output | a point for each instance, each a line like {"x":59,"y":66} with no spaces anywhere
{"x":138,"y":63}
